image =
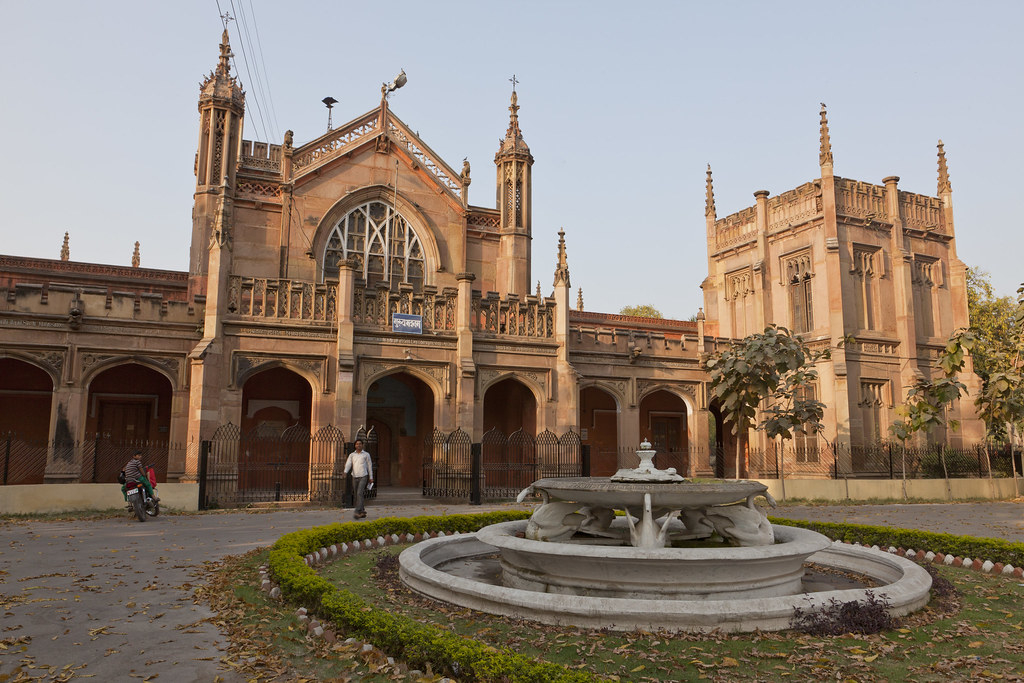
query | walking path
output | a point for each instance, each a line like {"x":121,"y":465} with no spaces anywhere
{"x":112,"y":598}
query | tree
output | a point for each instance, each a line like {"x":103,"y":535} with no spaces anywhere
{"x":771,"y":364}
{"x":927,"y":399}
{"x":994,"y":329}
{"x":1002,"y":395}
{"x":641,"y":311}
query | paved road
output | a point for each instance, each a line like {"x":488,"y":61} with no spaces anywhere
{"x":107,"y":596}
{"x":104,"y":597}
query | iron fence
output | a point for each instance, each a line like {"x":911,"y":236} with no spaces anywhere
{"x":500,"y":466}
{"x":89,"y":461}
{"x":270,"y":465}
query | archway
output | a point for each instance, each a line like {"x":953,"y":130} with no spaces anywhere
{"x":509,"y":405}
{"x":129,"y":408}
{"x":26,"y":394}
{"x":599,"y":429}
{"x":663,"y":422}
{"x":273,"y":461}
{"x":400,"y":408}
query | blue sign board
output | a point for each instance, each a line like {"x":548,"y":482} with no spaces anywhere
{"x":409,"y":324}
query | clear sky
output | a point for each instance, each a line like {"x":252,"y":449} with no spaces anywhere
{"x":622,"y":104}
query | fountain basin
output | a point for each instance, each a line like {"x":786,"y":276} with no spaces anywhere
{"x":653,"y":573}
{"x":904,"y":585}
{"x":604,"y":492}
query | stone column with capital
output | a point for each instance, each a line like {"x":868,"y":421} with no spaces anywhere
{"x":465,"y":371}
{"x":344,"y":387}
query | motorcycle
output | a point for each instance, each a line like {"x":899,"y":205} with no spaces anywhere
{"x":140,"y":502}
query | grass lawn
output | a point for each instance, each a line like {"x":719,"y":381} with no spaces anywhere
{"x":975,"y":633}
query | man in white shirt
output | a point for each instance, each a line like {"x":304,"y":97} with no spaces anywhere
{"x":359,"y":465}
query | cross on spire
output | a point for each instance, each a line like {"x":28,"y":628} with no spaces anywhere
{"x":513,"y":81}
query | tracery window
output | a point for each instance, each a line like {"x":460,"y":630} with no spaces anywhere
{"x":805,"y":443}
{"x":924,"y":279}
{"x":797,"y":278}
{"x":873,"y":399}
{"x":381,"y":243}
{"x":866,"y":271}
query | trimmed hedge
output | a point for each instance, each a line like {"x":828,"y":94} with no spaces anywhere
{"x":997,"y":550}
{"x":396,"y":634}
{"x":419,"y":643}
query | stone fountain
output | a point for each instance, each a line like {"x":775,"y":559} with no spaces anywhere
{"x":682,"y":555}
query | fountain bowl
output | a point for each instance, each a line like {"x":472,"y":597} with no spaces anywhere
{"x":903,"y":585}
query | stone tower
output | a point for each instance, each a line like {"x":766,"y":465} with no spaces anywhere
{"x":221,"y":114}
{"x":515,"y":204}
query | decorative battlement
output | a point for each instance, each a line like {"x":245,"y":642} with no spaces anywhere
{"x":373,"y":306}
{"x":171,"y":284}
{"x":530,"y":317}
{"x":922,"y":212}
{"x":860,"y":199}
{"x":281,"y":299}
{"x":794,"y":207}
{"x":260,"y":156}
{"x":484,"y":219}
{"x":32,"y":304}
{"x":736,"y":228}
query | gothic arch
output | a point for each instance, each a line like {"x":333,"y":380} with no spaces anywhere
{"x":374,"y":374}
{"x":534,"y":386}
{"x":29,"y":359}
{"x":609,"y":389}
{"x":244,"y":375}
{"x":675,"y":390}
{"x":423,"y":227}
{"x":94,"y":370}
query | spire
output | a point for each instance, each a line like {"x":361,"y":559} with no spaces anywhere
{"x":709,"y":202}
{"x":825,"y":151}
{"x":944,"y":185}
{"x":224,"y":64}
{"x":220,"y":85}
{"x":579,"y":300}
{"x":562,"y":271}
{"x":65,"y":251}
{"x":135,"y":257}
{"x":513,"y":141}
{"x":538,"y":289}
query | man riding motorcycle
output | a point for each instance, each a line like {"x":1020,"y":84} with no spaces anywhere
{"x":134,"y":471}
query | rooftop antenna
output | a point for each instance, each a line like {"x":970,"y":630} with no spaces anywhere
{"x":330,"y":102}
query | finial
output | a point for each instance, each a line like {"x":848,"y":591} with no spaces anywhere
{"x":944,"y":185}
{"x":135,"y":257}
{"x":825,"y":151}
{"x":538,"y":289}
{"x":562,"y":271}
{"x":700,"y":313}
{"x":579,"y":300}
{"x":65,"y":251}
{"x":513,"y":120}
{"x":224,"y":65}
{"x":709,"y":202}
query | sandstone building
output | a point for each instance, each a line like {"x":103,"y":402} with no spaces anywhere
{"x":349,"y":282}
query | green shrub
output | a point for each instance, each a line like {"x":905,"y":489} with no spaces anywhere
{"x":993,"y":549}
{"x":414,"y":642}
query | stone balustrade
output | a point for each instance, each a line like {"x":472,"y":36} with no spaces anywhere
{"x":282,"y":299}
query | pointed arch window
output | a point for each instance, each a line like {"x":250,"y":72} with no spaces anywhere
{"x":381,"y":243}
{"x":797,"y":274}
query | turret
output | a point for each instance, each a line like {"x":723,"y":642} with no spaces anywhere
{"x":221,"y":114}
{"x":514,"y":200}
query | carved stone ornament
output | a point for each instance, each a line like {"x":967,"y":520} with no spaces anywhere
{"x":53,"y":360}
{"x":170,"y":364}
